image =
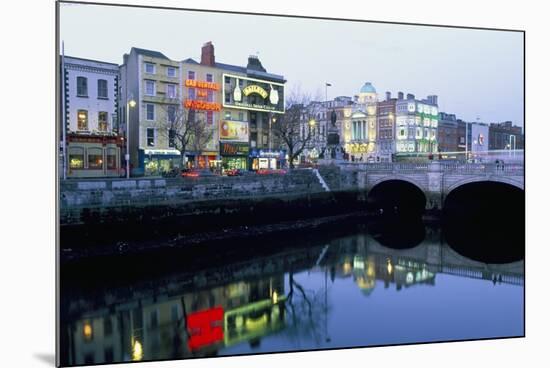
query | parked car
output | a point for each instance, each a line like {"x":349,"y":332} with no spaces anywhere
{"x":195,"y":173}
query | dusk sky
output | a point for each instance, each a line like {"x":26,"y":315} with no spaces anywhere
{"x":475,"y":73}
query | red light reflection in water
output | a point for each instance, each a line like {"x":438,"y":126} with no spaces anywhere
{"x":205,"y":327}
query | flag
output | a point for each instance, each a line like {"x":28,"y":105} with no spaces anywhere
{"x":328,"y":84}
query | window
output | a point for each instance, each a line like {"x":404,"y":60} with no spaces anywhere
{"x":149,"y":68}
{"x":210,"y":96}
{"x":82,"y":86}
{"x":150,"y":137}
{"x":227,"y":97}
{"x":111,"y":158}
{"x":227,"y":80}
{"x":95,"y":158}
{"x":171,"y":90}
{"x":171,"y":138}
{"x":150,"y":87}
{"x":82,"y":119}
{"x":191,"y":75}
{"x":171,"y":71}
{"x":228,"y":115}
{"x":191,"y":116}
{"x":102,"y":121}
{"x":241,"y":116}
{"x":209,"y":77}
{"x":210,"y":117}
{"x":150,"y":111}
{"x":192,"y":94}
{"x":102,"y":88}
{"x":76,"y":158}
{"x":171,"y":113}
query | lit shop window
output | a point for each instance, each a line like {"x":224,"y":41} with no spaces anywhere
{"x":95,"y":158}
{"x":76,"y":158}
{"x":87,"y":331}
{"x":149,"y":68}
{"x":111,"y":164}
{"x":102,"y":121}
{"x":82,"y":119}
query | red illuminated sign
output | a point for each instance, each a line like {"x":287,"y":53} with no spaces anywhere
{"x":205,"y":327}
{"x":201,"y":105}
{"x":201,"y":84}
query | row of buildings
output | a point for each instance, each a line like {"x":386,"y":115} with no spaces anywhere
{"x":148,"y":108}
{"x":372,"y":129}
{"x":156,"y":113}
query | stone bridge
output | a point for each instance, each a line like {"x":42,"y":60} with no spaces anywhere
{"x":436,"y":179}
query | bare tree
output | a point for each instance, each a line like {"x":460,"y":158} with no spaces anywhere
{"x":295,"y":127}
{"x":183,"y":128}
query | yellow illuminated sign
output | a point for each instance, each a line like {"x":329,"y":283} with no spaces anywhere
{"x":253,"y":88}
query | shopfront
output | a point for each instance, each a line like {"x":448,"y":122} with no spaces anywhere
{"x":267,"y":159}
{"x":234,"y":155}
{"x":158,"y":161}
{"x":93,"y":156}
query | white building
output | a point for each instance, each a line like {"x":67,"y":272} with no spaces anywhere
{"x":90,"y":92}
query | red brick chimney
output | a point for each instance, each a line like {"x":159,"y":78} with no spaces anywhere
{"x":207,"y":54}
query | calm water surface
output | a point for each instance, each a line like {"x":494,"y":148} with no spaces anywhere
{"x":342,"y":291}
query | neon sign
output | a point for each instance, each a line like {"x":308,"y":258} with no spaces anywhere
{"x":205,"y":327}
{"x":201,"y":84}
{"x":253,"y":88}
{"x":201,"y":105}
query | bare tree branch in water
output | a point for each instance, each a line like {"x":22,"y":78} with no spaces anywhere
{"x":307,"y":313}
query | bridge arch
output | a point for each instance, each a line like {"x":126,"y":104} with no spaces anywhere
{"x":478,"y":179}
{"x":396,"y":177}
{"x":397,"y":195}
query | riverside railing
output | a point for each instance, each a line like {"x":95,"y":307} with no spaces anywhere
{"x":512,"y":169}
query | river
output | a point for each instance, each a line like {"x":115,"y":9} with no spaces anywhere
{"x":355,"y":287}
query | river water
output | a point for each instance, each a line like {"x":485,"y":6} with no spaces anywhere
{"x":352,"y":289}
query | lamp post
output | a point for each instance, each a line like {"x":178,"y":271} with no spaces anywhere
{"x":129,"y":103}
{"x":312,"y":123}
{"x":272,"y":119}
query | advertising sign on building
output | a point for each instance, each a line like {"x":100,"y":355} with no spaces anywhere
{"x":253,"y":94}
{"x":234,"y":149}
{"x":236,"y":131}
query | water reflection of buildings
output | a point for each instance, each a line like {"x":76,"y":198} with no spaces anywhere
{"x":365,"y":260}
{"x":194,"y":324}
{"x":201,"y":312}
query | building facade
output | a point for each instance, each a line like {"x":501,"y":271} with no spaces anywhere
{"x":505,"y":136}
{"x":90,"y":119}
{"x":362,"y":130}
{"x":447,"y":135}
{"x":153,"y":82}
{"x":416,"y":125}
{"x":386,"y":128}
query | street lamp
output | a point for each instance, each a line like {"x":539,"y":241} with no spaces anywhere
{"x":129,"y":103}
{"x":271,"y":120}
